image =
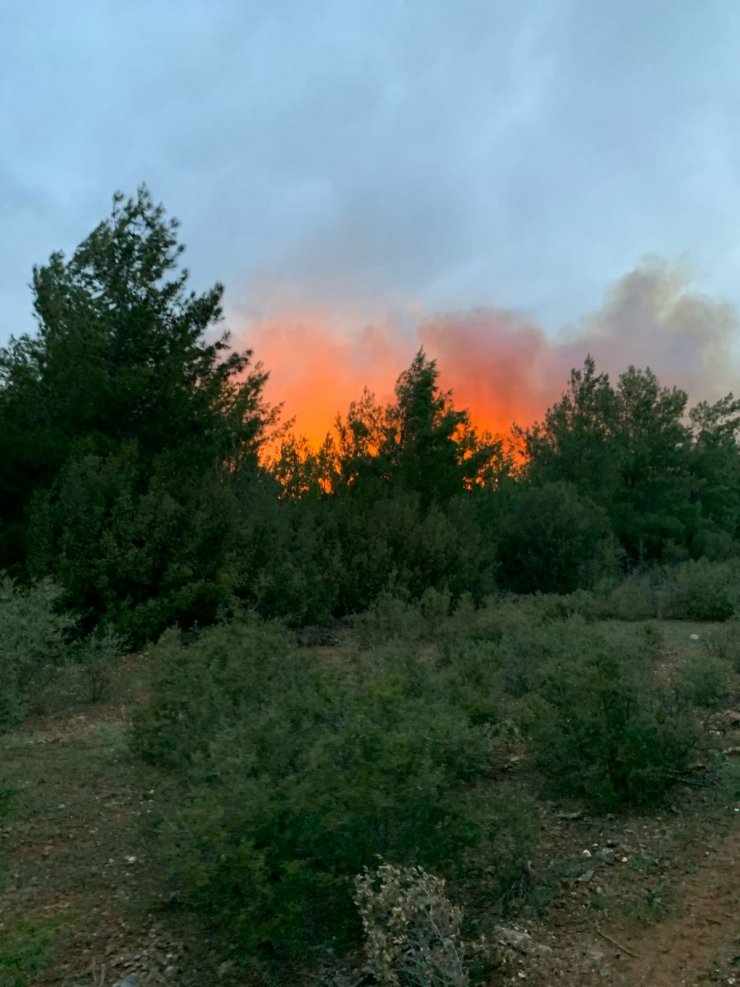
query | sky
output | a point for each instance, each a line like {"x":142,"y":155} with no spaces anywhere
{"x":358,"y":171}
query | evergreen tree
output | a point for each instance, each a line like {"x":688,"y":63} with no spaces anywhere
{"x":627,"y":449}
{"x":122,"y":407}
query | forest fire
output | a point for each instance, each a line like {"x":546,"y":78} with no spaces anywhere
{"x":499,"y":365}
{"x":492,"y":366}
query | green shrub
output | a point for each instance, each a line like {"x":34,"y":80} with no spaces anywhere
{"x":702,"y":679}
{"x":631,"y":599}
{"x":32,"y":644}
{"x":599,"y":724}
{"x":693,"y":590}
{"x":700,"y":590}
{"x":729,"y":778}
{"x":199,"y":690}
{"x":296,"y":775}
{"x":97,"y":654}
{"x":431,"y":618}
{"x":724,"y":642}
{"x":553,"y":540}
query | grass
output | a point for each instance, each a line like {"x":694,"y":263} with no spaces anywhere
{"x":28,"y":948}
{"x":74,"y":866}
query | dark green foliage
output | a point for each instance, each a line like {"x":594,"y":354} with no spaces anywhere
{"x":32,"y":644}
{"x":97,"y":653}
{"x":694,"y":590}
{"x":419,"y":443}
{"x":703,"y":680}
{"x":699,"y":590}
{"x":551,"y":540}
{"x":628,"y":449}
{"x":142,"y":552}
{"x":123,"y":430}
{"x":298,"y":774}
{"x":600,"y":725}
{"x":715,"y":466}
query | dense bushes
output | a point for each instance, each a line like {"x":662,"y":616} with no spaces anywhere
{"x":293,"y":772}
{"x":599,"y":723}
{"x":32,"y":644}
{"x":551,"y":540}
{"x":691,"y":590}
{"x":298,"y":774}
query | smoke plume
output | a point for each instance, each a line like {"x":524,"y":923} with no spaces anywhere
{"x":499,"y":365}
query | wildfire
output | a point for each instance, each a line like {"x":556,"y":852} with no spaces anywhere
{"x":499,"y":365}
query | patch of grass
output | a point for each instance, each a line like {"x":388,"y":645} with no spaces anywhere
{"x":28,"y":948}
{"x":651,"y":905}
{"x":729,"y":778}
{"x":644,"y":863}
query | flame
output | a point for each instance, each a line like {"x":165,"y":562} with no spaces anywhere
{"x":499,"y":365}
{"x":318,"y":365}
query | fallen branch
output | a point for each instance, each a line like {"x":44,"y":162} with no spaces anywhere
{"x":614,"y":942}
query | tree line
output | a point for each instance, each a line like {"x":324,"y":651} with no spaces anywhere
{"x":144,"y":471}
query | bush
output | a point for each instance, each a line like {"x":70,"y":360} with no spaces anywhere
{"x":552,"y":540}
{"x":32,"y":644}
{"x":702,"y":680}
{"x":97,"y":654}
{"x":200,"y":690}
{"x":724,"y":642}
{"x":599,"y":724}
{"x":296,"y":775}
{"x":631,"y":599}
{"x":700,"y":590}
{"x":412,"y":929}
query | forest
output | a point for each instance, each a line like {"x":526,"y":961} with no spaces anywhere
{"x":361,"y":674}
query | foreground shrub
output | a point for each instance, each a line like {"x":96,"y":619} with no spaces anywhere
{"x":32,"y":644}
{"x":412,"y":929}
{"x":296,"y":775}
{"x":200,"y":690}
{"x":599,"y":724}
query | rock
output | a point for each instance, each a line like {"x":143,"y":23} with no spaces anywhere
{"x":130,"y":981}
{"x":586,"y":876}
{"x":521,"y":941}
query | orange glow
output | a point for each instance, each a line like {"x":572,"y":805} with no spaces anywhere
{"x":319,"y":363}
{"x":317,"y":367}
{"x":499,"y":365}
{"x":499,"y":368}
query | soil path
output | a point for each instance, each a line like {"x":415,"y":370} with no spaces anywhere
{"x":699,"y":944}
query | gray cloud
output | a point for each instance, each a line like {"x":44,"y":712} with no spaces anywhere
{"x":386,"y":154}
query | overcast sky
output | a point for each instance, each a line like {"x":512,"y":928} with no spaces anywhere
{"x":380,"y":154}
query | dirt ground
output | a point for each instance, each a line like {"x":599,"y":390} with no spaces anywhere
{"x":693,"y":938}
